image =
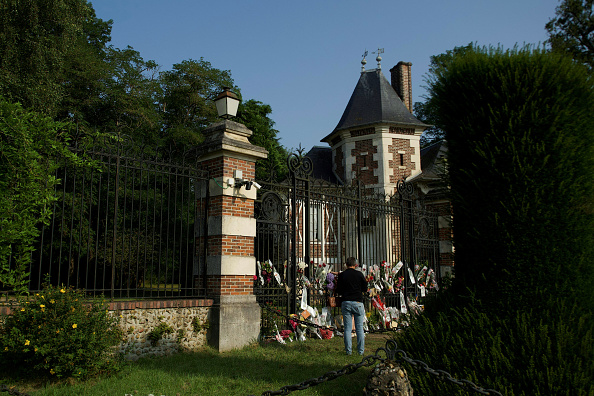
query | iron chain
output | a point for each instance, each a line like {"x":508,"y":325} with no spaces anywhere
{"x":390,"y":350}
{"x":392,"y":353}
{"x":329,"y":376}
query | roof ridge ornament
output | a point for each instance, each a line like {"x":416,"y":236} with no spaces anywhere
{"x":379,"y":58}
{"x":364,"y":61}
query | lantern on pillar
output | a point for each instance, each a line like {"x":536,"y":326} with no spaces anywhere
{"x":227,"y":103}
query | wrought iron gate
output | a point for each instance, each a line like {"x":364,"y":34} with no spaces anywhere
{"x":305,"y":226}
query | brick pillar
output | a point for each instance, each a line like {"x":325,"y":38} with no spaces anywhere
{"x":230,"y":262}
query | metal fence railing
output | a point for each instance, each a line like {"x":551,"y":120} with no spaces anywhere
{"x":125,"y":228}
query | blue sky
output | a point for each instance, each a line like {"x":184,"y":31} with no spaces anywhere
{"x":303,"y":57}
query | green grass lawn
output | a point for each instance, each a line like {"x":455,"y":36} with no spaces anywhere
{"x":251,"y":370}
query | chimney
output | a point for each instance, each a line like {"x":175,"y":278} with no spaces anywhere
{"x":402,"y":82}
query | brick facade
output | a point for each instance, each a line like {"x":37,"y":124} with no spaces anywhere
{"x":401,"y":164}
{"x":233,"y":285}
{"x":225,"y":166}
{"x":365,"y":166}
{"x":230,"y":245}
{"x":224,"y":205}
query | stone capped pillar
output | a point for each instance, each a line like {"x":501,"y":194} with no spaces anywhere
{"x":230,"y":262}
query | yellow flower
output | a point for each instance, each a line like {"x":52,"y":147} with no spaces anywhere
{"x":43,"y":297}
{"x":6,"y":348}
{"x":52,"y":301}
{"x":74,"y":326}
{"x":35,"y":349}
{"x":27,"y":342}
{"x":57,"y":331}
{"x":41,"y":306}
{"x":22,"y":309}
{"x":52,"y":372}
{"x":62,"y":291}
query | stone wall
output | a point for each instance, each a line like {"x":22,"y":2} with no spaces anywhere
{"x":188,"y":319}
{"x":186,"y":323}
{"x":137,"y":324}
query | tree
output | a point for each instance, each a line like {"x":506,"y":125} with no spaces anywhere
{"x":519,"y":316}
{"x":187,"y":102}
{"x":110,"y":89}
{"x":31,"y":149}
{"x":424,"y":111}
{"x":572,"y":30}
{"x":255,"y":115}
{"x":130,"y":94}
{"x":36,"y":37}
{"x":519,"y":126}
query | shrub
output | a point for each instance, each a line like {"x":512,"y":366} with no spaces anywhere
{"x":520,"y":132}
{"x":159,"y":332}
{"x":32,"y":147}
{"x":60,"y":332}
{"x":519,"y":315}
{"x":521,"y":354}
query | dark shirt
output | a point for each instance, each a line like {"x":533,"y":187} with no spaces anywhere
{"x":351,"y":285}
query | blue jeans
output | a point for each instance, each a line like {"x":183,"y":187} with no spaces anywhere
{"x":354,"y":309}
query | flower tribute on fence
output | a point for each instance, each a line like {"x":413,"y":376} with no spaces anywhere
{"x":318,"y":280}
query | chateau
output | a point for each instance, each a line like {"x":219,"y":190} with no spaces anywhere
{"x":377,"y":142}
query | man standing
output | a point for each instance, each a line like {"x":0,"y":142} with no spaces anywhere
{"x":351,"y":285}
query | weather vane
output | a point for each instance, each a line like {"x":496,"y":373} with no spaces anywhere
{"x":379,"y":58}
{"x":364,"y":61}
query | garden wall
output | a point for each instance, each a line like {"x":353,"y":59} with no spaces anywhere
{"x":183,"y":323}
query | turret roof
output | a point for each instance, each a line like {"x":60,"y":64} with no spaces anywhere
{"x":374,"y":101}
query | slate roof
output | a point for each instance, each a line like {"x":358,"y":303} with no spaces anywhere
{"x":429,"y":155}
{"x":432,"y":162}
{"x":374,"y":101}
{"x":321,"y":158}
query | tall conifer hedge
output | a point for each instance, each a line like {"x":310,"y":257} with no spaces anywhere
{"x":520,"y":130}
